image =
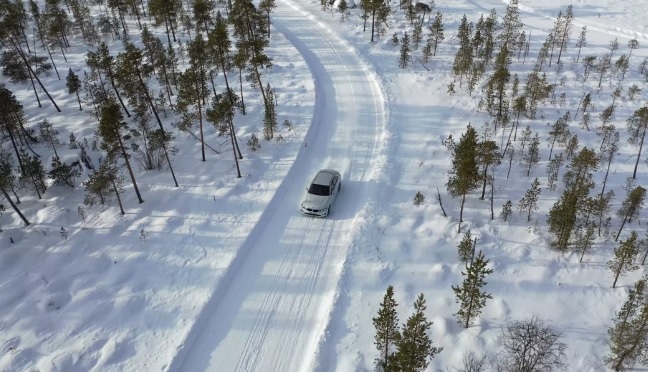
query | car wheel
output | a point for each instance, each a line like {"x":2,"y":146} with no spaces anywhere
{"x":339,"y":186}
{"x":328,"y":210}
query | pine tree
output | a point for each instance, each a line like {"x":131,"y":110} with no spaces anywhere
{"x":532,"y":156}
{"x":563,"y":31}
{"x":469,"y":295}
{"x":529,"y":201}
{"x":584,"y":239}
{"x":110,"y":130}
{"x":387,"y":330}
{"x":465,"y":247}
{"x":578,"y":183}
{"x":7,"y":182}
{"x":62,"y":174}
{"x":49,"y":135}
{"x":629,"y":332}
{"x":582,"y":41}
{"x":631,"y":207}
{"x":511,"y":25}
{"x":553,"y":168}
{"x":464,"y":175}
{"x":405,"y":52}
{"x":414,"y":348}
{"x":417,"y":35}
{"x":105,"y":183}
{"x":638,"y":126}
{"x":192,"y":92}
{"x":436,"y":32}
{"x":624,"y":257}
{"x":487,"y":156}
{"x":464,"y":56}
{"x":270,"y":116}
{"x":74,"y":86}
{"x":559,"y":132}
{"x":507,"y":209}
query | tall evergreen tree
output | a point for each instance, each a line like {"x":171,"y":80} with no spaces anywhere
{"x":414,"y":348}
{"x":74,"y":85}
{"x":464,"y":175}
{"x":104,"y":184}
{"x":405,"y":52}
{"x":579,"y":182}
{"x":532,"y":156}
{"x":629,"y":333}
{"x":488,"y":156}
{"x":529,"y":201}
{"x":631,"y":207}
{"x":469,"y":295}
{"x":624,"y":257}
{"x":436,"y":32}
{"x":582,"y":41}
{"x":49,"y":135}
{"x":387,"y":330}
{"x":111,"y":128}
{"x":511,"y":25}
{"x":638,"y":126}
{"x":192,"y":92}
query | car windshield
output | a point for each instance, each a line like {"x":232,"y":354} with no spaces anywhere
{"x":316,"y":189}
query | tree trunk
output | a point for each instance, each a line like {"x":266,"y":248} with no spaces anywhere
{"x":618,"y":273}
{"x":112,"y":82}
{"x":14,"y":206}
{"x":157,"y":117}
{"x":625,"y":218}
{"x":31,"y":78}
{"x":231,"y":99}
{"x":634,"y":174}
{"x":130,"y":169}
{"x":79,"y":99}
{"x":232,"y":137}
{"x":22,"y":55}
{"x":463,"y":200}
{"x":121,"y":207}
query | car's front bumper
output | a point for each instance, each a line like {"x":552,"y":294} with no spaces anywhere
{"x":314,"y":212}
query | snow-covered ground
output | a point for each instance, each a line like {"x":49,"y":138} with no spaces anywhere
{"x":225,"y":274}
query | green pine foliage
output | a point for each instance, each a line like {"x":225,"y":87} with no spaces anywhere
{"x":464,"y":174}
{"x":414,"y":348}
{"x":63,"y":174}
{"x":631,"y":206}
{"x":507,"y":209}
{"x":624,"y":257}
{"x":629,"y":334}
{"x":73,"y":83}
{"x":529,"y":201}
{"x":469,"y":295}
{"x":405,"y":52}
{"x":387,"y":331}
{"x":465,"y":247}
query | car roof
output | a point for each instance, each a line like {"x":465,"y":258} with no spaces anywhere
{"x":324,"y":176}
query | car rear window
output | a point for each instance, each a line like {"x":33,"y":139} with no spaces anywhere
{"x":316,"y":189}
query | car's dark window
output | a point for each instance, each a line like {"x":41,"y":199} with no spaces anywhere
{"x":322,"y":190}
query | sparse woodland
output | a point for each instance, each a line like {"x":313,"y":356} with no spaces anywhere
{"x":517,"y":80}
{"x":125,"y":92}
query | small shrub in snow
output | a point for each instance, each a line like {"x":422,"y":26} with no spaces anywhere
{"x":507,"y":209}
{"x":288,"y":125}
{"x":395,"y":40}
{"x":81,"y":213}
{"x":64,"y":233}
{"x":419,"y":198}
{"x":143,"y":234}
{"x":280,"y":139}
{"x":253,"y":143}
{"x":73,"y":142}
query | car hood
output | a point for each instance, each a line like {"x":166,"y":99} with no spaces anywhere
{"x":315,"y":201}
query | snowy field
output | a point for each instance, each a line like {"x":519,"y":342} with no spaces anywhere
{"x":225,"y":274}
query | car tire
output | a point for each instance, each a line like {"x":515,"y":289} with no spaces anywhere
{"x":328,"y":211}
{"x":339,"y":186}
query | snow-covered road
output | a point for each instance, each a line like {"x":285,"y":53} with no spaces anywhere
{"x":271,"y":309}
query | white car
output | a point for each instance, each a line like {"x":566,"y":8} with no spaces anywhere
{"x":321,"y":193}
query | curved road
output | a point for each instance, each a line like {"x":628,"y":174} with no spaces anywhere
{"x":270,"y":310}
